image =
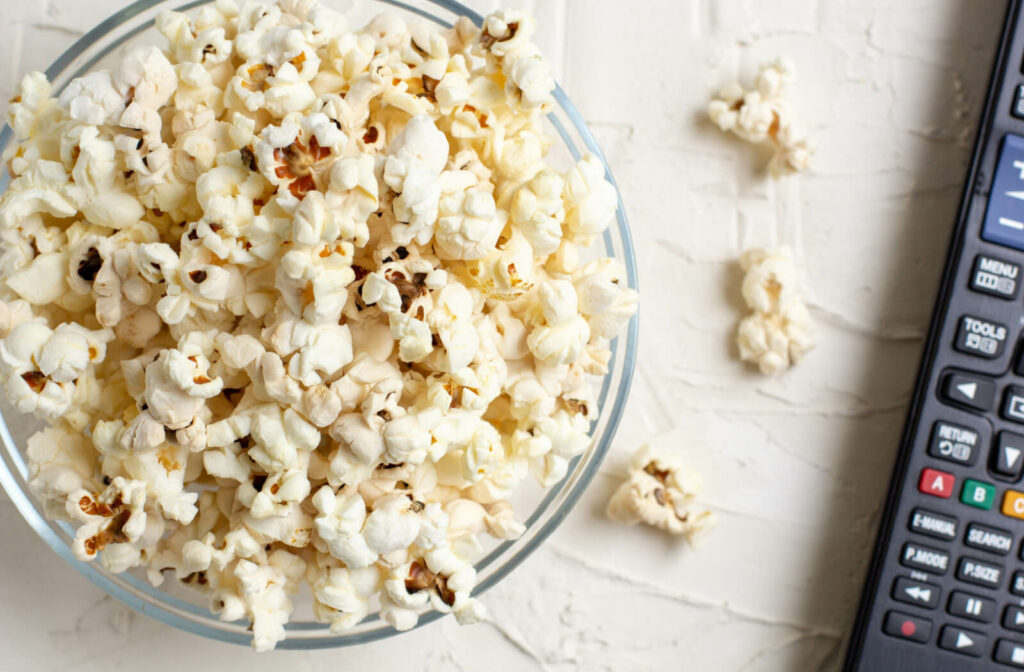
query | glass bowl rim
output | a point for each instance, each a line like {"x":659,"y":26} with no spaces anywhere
{"x":168,"y":614}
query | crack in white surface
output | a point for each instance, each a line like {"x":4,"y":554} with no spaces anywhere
{"x":668,"y":593}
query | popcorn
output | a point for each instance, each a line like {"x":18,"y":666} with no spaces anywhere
{"x":764,"y":114}
{"x":660,"y":493}
{"x":590,"y":200}
{"x":779,"y":331}
{"x":303,"y":304}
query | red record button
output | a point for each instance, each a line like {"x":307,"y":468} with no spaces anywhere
{"x":905,"y":626}
{"x":936,"y":483}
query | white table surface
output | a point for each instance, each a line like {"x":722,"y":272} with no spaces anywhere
{"x":796,"y":466}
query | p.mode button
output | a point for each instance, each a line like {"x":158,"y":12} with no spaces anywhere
{"x":981,"y":338}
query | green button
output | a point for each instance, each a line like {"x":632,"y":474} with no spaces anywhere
{"x":976,"y":493}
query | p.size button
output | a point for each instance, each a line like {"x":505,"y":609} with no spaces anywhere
{"x":969,"y":390}
{"x":980,"y":337}
{"x":995,"y":277}
{"x":924,"y":558}
{"x":979,"y":572}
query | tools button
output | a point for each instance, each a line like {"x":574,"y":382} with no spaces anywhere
{"x":980,"y":337}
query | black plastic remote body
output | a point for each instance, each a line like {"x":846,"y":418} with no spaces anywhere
{"x":945,"y":591}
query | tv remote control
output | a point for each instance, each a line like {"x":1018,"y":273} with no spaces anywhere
{"x":945,"y":590}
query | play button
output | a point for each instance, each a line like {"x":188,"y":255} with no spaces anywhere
{"x":1009,"y":455}
{"x":968,"y":389}
{"x":967,"y":642}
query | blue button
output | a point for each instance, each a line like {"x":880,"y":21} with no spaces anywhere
{"x":1004,"y":220}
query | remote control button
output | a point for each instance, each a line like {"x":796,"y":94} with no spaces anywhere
{"x":995,"y":276}
{"x":1013,"y":618}
{"x":1004,"y":217}
{"x":1013,"y":504}
{"x":979,"y":337}
{"x":967,"y":642}
{"x":1017,"y":109}
{"x":1007,"y":458}
{"x":954,"y":443}
{"x":989,"y":538}
{"x":933,"y":524}
{"x":970,"y":606}
{"x":1009,"y":653}
{"x":978,"y":494}
{"x":936,"y":483}
{"x":969,"y":390}
{"x":915,"y":592}
{"x":1013,"y":403}
{"x":1017,"y":584}
{"x":924,"y":558}
{"x":979,"y":572}
{"x":906,"y":626}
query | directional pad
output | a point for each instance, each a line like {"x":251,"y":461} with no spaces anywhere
{"x":1008,"y":458}
{"x":1004,"y":219}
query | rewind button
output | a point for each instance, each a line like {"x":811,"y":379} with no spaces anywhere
{"x":917,"y":593}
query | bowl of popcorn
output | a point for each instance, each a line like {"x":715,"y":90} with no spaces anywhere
{"x":315,"y":323}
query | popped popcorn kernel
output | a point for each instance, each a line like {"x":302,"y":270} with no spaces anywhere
{"x":765,"y":115}
{"x":778,"y":332}
{"x":660,"y":492}
{"x":304,"y":304}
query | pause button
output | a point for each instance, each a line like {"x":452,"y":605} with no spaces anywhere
{"x":971,"y":606}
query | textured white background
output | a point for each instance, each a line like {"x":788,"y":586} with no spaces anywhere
{"x":796,"y":467}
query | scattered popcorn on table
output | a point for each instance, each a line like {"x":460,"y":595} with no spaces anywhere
{"x":660,"y":493}
{"x":779,"y":331}
{"x":303,"y":305}
{"x":764,"y":114}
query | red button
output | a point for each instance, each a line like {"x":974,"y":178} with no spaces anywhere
{"x":936,"y":483}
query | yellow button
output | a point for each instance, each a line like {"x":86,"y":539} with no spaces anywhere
{"x":1013,"y":504}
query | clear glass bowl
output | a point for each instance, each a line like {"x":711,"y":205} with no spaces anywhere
{"x":541,"y":510}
